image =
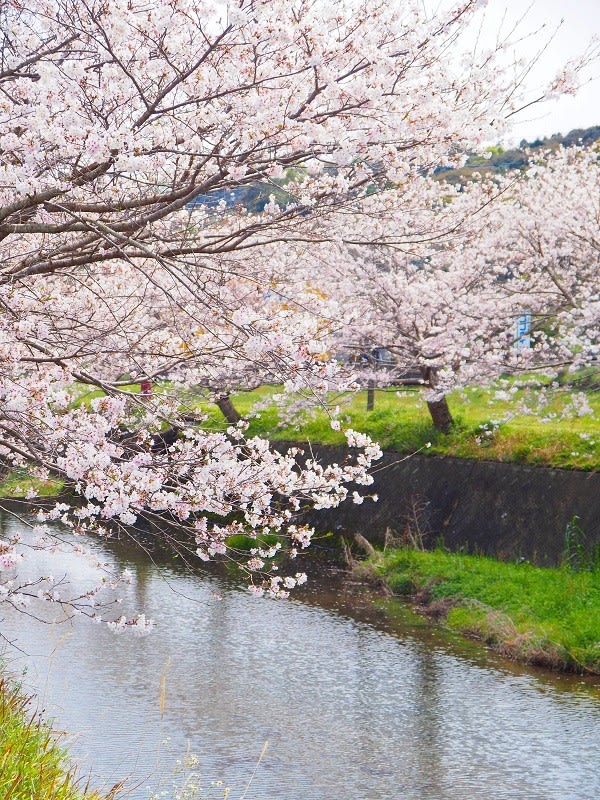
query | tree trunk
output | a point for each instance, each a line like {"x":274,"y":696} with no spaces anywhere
{"x":228,"y":409}
{"x":440,"y":415}
{"x":370,"y":395}
{"x":439,"y":410}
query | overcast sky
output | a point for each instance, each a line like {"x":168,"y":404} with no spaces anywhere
{"x":581,"y":23}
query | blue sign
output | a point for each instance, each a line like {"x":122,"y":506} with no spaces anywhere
{"x":523,"y":331}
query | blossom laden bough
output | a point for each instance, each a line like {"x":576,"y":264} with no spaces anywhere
{"x":124,"y":130}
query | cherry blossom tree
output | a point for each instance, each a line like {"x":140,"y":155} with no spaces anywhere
{"x":547,"y":250}
{"x":439,"y":276}
{"x":124,"y":125}
{"x":420,"y":285}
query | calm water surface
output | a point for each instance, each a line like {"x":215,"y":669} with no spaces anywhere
{"x":353,"y":706}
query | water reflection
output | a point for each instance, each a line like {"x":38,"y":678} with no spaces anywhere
{"x":350,"y":708}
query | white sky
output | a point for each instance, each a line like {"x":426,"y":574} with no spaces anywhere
{"x":581,"y":22}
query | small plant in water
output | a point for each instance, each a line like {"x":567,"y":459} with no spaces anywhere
{"x":187,"y":782}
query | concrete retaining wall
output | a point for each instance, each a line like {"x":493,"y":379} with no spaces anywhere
{"x":505,"y":510}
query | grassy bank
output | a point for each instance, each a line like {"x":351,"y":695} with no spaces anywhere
{"x":544,"y":616}
{"x":532,"y":419}
{"x":18,"y":485}
{"x":494,"y":424}
{"x":33,"y":765}
{"x":490,"y":424}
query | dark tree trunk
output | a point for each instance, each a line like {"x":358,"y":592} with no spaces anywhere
{"x":370,"y":395}
{"x":228,"y":409}
{"x":440,"y":415}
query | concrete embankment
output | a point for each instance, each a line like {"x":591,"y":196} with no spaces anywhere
{"x":509,"y":511}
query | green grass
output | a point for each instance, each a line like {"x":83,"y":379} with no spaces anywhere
{"x":17,"y":484}
{"x":400,"y":421}
{"x":32,"y":764}
{"x":549,"y":616}
{"x":242,"y":543}
{"x":488,"y":424}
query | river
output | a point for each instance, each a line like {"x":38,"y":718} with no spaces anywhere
{"x":343,"y":700}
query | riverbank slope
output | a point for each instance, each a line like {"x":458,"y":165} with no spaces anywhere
{"x":544,"y":616}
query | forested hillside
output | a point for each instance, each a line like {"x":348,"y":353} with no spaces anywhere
{"x":501,"y":160}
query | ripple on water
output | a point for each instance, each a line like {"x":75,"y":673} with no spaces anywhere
{"x":348,"y":710}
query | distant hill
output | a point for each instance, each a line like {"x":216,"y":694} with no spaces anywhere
{"x":501,"y":160}
{"x":254,"y":197}
{"x":584,"y":136}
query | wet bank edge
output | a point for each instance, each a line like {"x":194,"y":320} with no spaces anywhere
{"x":489,"y":626}
{"x":510,"y":512}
